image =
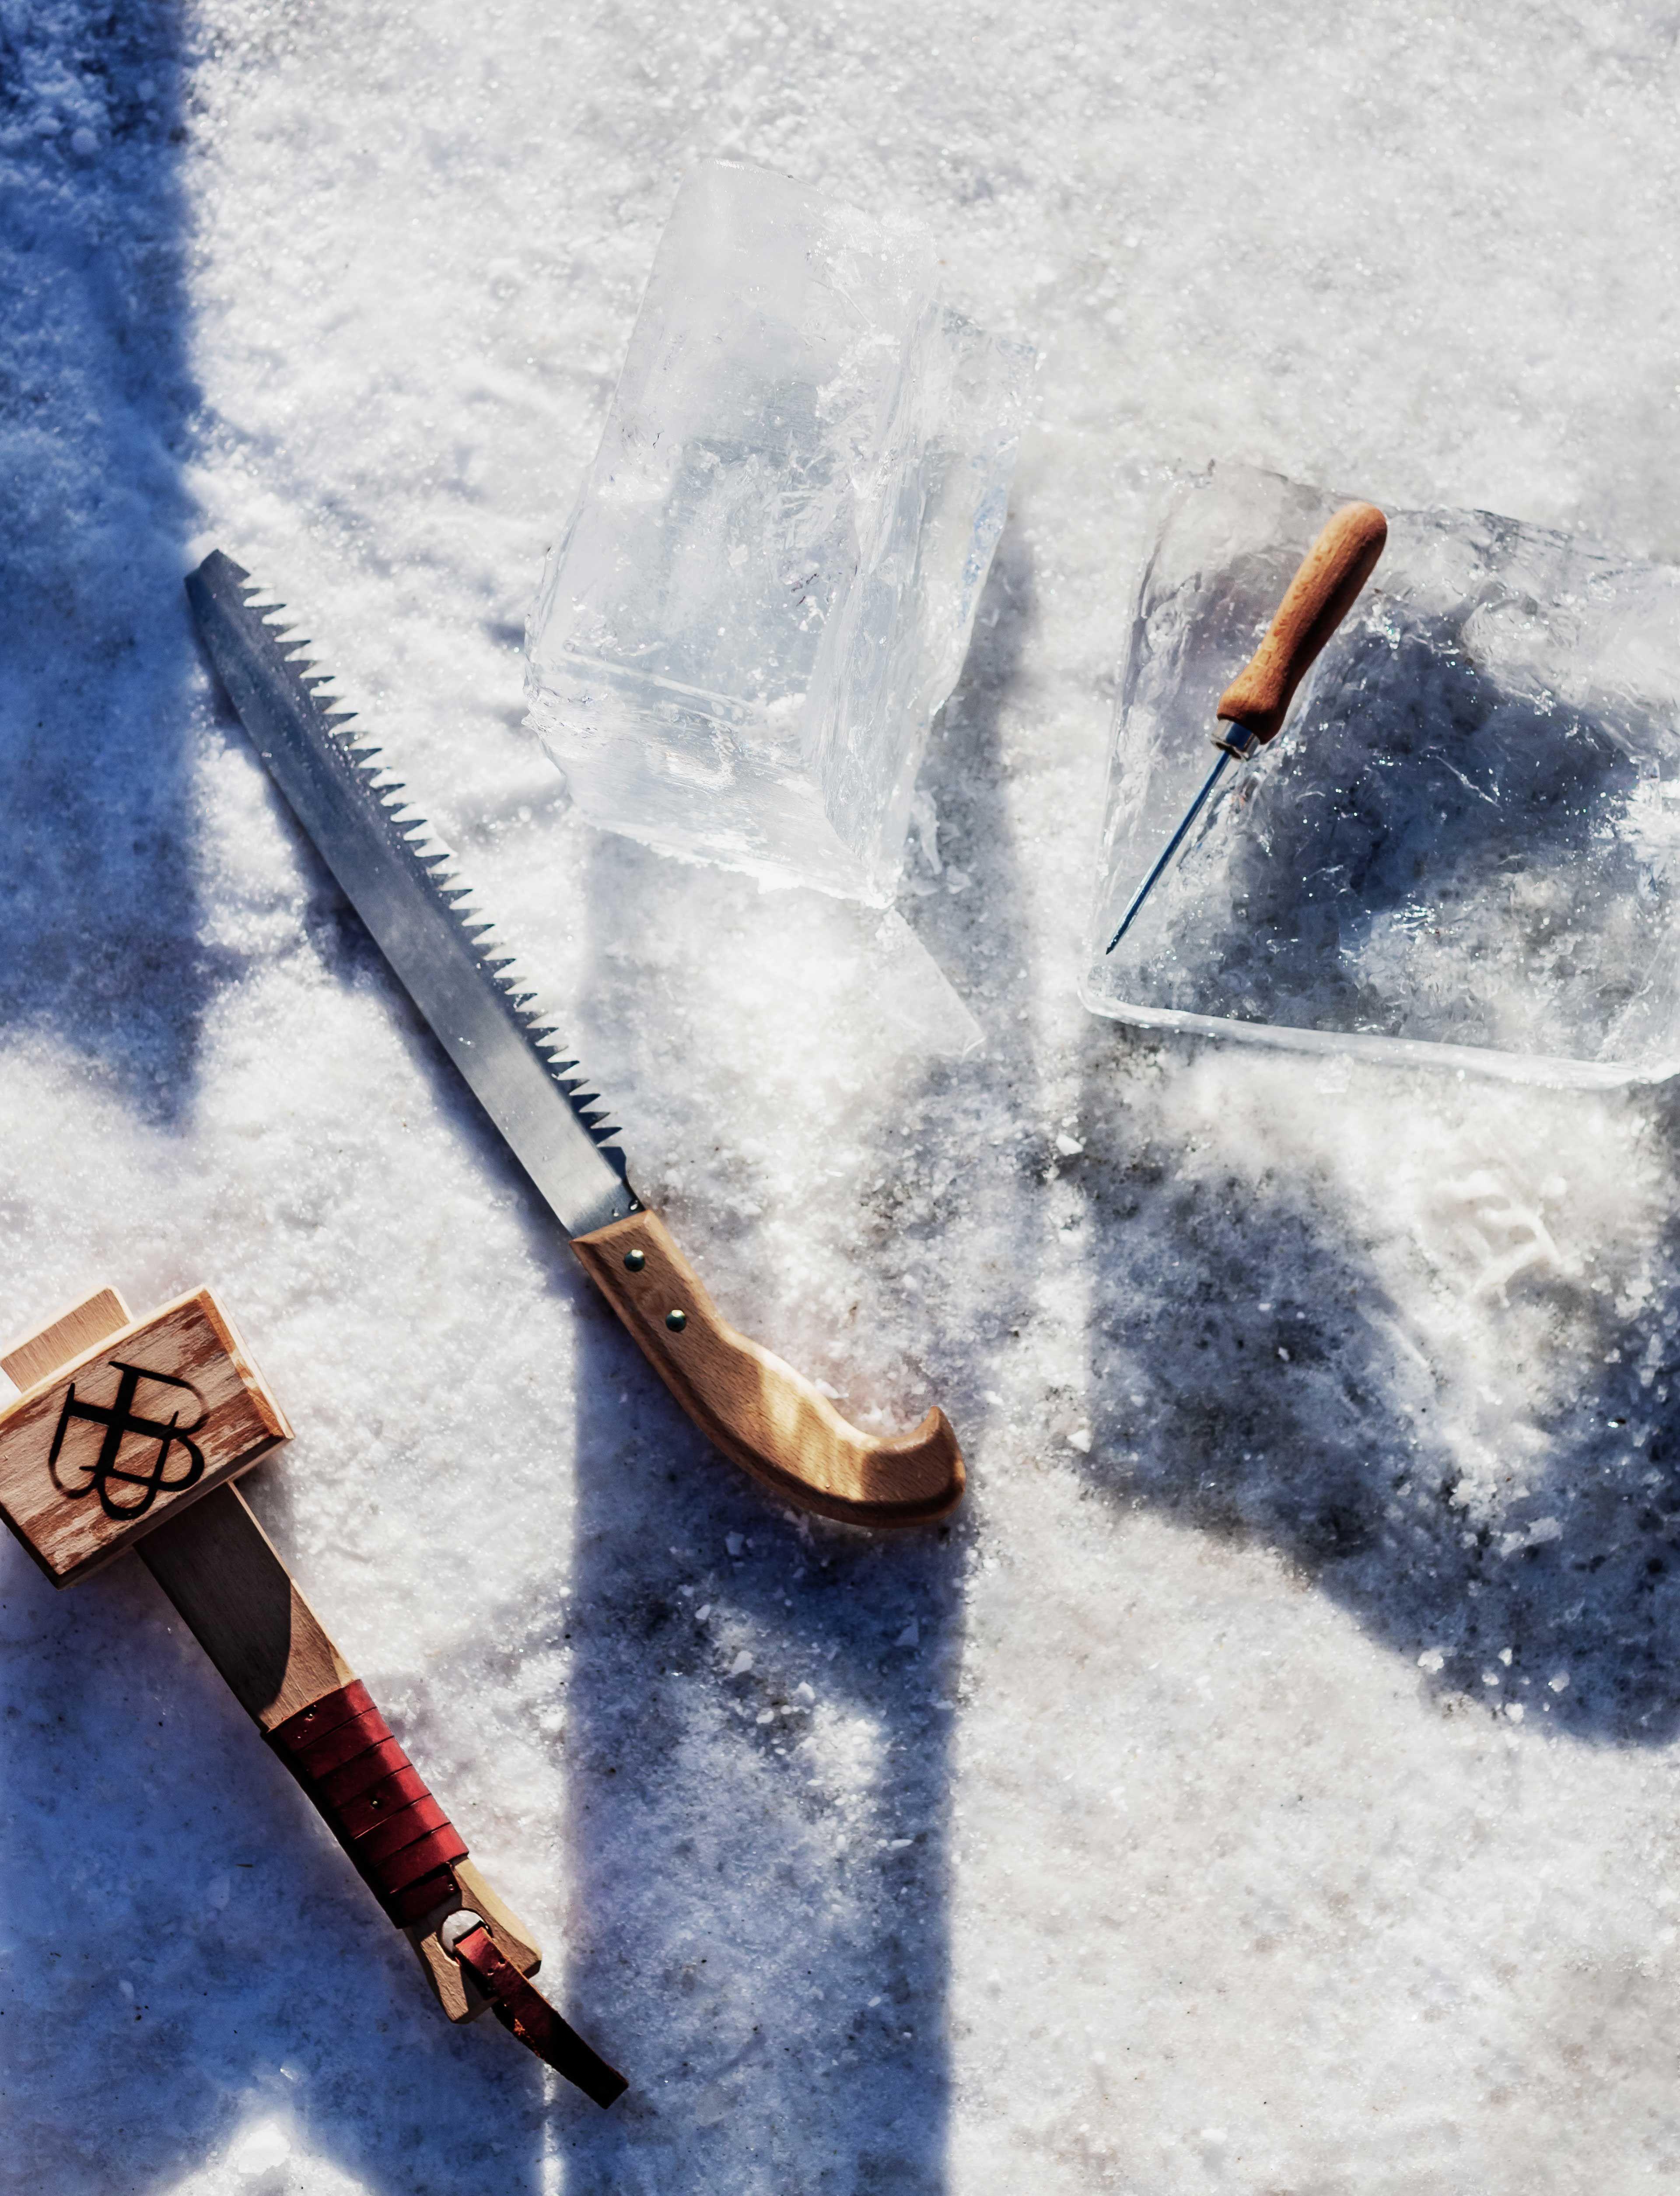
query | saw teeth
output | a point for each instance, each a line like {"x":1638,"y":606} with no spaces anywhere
{"x":364,"y":758}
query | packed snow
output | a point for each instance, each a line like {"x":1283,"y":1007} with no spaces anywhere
{"x":1265,"y":1784}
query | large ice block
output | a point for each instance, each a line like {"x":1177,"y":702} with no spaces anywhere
{"x":768,"y":584}
{"x":1464,"y":846}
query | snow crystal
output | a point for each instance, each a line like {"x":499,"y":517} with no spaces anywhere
{"x":265,"y":2148}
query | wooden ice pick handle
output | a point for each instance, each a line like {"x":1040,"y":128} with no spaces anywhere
{"x":1323,"y":590}
{"x":769,"y":1419}
{"x":132,"y":1432}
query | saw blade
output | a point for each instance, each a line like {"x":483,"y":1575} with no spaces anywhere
{"x":424,"y":918}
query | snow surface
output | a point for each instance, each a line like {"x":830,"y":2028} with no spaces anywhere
{"x":1269,"y":1783}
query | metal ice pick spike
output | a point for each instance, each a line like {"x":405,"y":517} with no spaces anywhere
{"x":1324,"y":588}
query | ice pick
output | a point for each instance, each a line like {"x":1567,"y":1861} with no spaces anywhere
{"x":1324,"y":588}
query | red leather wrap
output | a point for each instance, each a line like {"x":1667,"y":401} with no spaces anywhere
{"x":373,"y":1799}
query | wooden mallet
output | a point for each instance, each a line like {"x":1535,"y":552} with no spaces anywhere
{"x":129,"y":1433}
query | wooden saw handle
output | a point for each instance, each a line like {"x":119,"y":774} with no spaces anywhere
{"x":762,"y":1414}
{"x":1324,"y":588}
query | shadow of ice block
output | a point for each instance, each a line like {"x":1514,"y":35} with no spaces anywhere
{"x":767,"y":589}
{"x":1465,"y":844}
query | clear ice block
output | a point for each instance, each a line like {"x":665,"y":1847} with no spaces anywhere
{"x":767,"y":588}
{"x":1465,"y":844}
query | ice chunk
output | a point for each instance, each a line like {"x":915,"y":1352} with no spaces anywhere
{"x":1466,"y":842}
{"x":767,"y":589}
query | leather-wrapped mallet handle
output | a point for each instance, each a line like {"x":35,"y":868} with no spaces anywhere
{"x":227,"y":1580}
{"x":770,"y":1419}
{"x":1324,"y":588}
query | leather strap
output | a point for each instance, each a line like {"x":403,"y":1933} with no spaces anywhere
{"x":530,"y":2017}
{"x":404,"y":1848}
{"x":381,"y":1800}
{"x":373,"y":1799}
{"x":326,"y":1714}
{"x":342,"y":1784}
{"x":315,"y":1757}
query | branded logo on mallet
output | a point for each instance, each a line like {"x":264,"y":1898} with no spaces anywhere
{"x":123,"y":1422}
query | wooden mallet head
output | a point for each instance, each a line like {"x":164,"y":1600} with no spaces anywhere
{"x":116,"y":1433}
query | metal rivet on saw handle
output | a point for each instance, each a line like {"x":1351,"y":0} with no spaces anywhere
{"x":635,"y":1260}
{"x":676,"y":1321}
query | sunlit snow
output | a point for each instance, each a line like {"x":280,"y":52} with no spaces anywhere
{"x":1168,"y":1825}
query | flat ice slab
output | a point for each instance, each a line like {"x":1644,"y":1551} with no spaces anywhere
{"x":767,"y":589}
{"x":1465,"y":844}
